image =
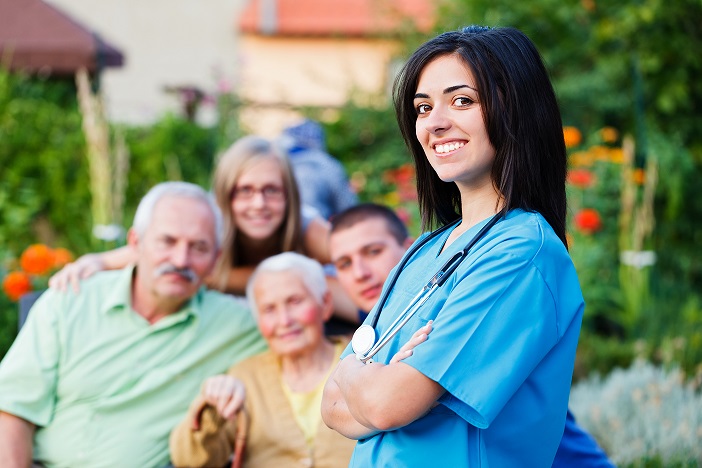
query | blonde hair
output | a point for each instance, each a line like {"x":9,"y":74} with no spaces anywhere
{"x":231,"y":165}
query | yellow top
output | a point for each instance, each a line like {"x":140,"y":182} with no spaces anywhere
{"x":306,"y":405}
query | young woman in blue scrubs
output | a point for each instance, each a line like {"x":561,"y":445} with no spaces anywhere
{"x":487,"y":382}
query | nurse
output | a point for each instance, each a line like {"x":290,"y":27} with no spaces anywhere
{"x":489,"y":384}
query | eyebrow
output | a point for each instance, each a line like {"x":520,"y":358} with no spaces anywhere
{"x":448,"y":90}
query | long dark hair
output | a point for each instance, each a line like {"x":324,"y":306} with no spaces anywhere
{"x":521,"y":116}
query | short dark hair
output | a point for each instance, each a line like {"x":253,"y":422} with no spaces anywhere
{"x":521,"y":116}
{"x":363,"y":211}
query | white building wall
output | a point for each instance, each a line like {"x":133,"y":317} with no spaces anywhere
{"x":165,"y":43}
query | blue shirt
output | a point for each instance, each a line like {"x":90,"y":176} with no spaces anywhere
{"x":506,"y":326}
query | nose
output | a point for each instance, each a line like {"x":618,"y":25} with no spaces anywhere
{"x":360,"y":270}
{"x":258,"y":200}
{"x":180,"y":256}
{"x":284,"y":317}
{"x":437,"y":121}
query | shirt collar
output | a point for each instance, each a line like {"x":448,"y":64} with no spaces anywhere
{"x":120,"y":296}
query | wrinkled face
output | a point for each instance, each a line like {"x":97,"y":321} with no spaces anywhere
{"x":177,"y":250}
{"x":258,"y":200}
{"x":450,"y":124}
{"x":289,"y":317}
{"x":363,"y":255}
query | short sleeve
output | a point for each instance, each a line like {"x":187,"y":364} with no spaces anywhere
{"x":496,"y":325}
{"x":28,"y":373}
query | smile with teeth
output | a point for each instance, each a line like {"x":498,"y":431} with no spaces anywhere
{"x":448,"y":147}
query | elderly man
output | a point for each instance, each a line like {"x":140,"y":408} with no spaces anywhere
{"x":100,"y":377}
{"x":366,"y":243}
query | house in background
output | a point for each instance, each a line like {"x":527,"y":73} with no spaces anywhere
{"x":38,"y":38}
{"x":171,"y":47}
{"x":277,"y":55}
{"x":299,"y":53}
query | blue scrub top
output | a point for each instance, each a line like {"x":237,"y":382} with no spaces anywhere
{"x":506,"y":326}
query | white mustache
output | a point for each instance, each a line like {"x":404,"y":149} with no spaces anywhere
{"x":186,"y":273}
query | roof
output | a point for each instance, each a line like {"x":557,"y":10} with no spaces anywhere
{"x":334,"y":17}
{"x":36,"y":36}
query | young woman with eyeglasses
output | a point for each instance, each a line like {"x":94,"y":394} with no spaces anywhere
{"x":255,"y":189}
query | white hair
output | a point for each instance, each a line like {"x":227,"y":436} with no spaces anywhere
{"x":145,"y":210}
{"x":309,"y":270}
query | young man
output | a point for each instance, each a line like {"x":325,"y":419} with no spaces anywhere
{"x":100,"y":377}
{"x":366,"y":243}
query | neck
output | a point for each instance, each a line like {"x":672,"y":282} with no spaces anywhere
{"x":303,"y":372}
{"x":254,"y":251}
{"x":148,"y":306}
{"x":476,"y":205}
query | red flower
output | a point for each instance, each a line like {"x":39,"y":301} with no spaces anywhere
{"x":581,"y":178}
{"x":37,"y":259}
{"x":588,"y":220}
{"x":16,"y":284}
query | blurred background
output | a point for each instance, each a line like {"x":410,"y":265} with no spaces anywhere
{"x":101,"y":100}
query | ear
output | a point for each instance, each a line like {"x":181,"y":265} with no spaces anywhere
{"x":132,"y":238}
{"x":327,"y":306}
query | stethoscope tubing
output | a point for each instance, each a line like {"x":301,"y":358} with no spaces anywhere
{"x":429,"y":288}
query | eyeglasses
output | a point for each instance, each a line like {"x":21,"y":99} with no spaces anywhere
{"x":269,"y":192}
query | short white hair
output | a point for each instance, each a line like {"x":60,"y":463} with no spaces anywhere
{"x":145,"y":210}
{"x":310,"y":272}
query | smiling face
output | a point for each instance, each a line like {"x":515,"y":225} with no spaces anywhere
{"x":289,"y":317}
{"x":260,"y":215}
{"x":363,"y":255}
{"x":450,"y":125}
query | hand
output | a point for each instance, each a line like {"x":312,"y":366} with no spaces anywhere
{"x":225,"y":393}
{"x":420,"y":336}
{"x":72,"y":273}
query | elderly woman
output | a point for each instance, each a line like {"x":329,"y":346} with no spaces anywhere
{"x":281,"y":389}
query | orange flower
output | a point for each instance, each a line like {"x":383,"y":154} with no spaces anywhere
{"x":572,"y":136}
{"x":609,"y":134}
{"x":16,"y":284}
{"x":37,"y":259}
{"x":62,"y":257}
{"x":588,"y":220}
{"x":580,"y":178}
{"x":638,"y":176}
{"x":580,"y":158}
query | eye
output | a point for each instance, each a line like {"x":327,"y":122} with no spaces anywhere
{"x":422,"y":109}
{"x":272,"y":191}
{"x":342,"y":264}
{"x":246,"y":191}
{"x":462,"y":101}
{"x":372,"y":252}
{"x":201,"y":247}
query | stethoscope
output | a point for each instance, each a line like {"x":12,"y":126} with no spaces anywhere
{"x":365,"y":343}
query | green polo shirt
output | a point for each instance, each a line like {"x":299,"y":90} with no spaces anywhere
{"x":103,"y":386}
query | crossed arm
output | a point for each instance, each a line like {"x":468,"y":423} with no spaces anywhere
{"x":361,"y":400}
{"x":15,"y":441}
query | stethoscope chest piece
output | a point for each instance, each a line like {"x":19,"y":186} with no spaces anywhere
{"x":363,"y":340}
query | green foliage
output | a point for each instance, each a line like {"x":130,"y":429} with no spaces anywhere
{"x":171,"y":149}
{"x":43,"y":193}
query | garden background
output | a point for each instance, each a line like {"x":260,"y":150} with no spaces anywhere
{"x":628,"y":77}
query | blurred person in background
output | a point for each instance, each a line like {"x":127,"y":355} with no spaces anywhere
{"x":323,"y":182}
{"x":100,"y":377}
